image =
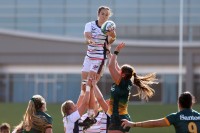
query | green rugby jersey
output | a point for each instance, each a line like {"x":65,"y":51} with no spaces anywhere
{"x":120,"y":97}
{"x":185,"y":121}
{"x":42,"y":115}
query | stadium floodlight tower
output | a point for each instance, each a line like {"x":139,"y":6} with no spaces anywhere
{"x":180,"y":89}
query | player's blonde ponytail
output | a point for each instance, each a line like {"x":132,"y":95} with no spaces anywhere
{"x":143,"y":85}
{"x":31,"y":120}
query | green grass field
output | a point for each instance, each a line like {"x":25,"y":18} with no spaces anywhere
{"x":12,"y":113}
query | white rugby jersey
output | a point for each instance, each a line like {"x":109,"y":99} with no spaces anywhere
{"x":70,"y":120}
{"x":96,"y":51}
{"x":99,"y":127}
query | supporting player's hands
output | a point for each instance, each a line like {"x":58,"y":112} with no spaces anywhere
{"x":126,"y":123}
{"x":94,"y":82}
{"x":92,"y":78}
{"x":120,"y":46}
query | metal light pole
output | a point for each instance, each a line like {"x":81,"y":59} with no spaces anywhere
{"x":180,"y":48}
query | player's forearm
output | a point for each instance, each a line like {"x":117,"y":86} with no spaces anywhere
{"x":150,"y":123}
{"x":113,"y":61}
{"x":100,"y":99}
{"x":111,"y":36}
{"x":85,"y":102}
{"x":80,"y":99}
{"x":86,"y":97}
{"x":97,"y":92}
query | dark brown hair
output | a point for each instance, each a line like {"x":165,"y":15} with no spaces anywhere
{"x":104,"y":7}
{"x":186,"y":99}
{"x":37,"y":102}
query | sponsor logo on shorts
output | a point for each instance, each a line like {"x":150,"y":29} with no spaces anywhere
{"x":95,"y":67}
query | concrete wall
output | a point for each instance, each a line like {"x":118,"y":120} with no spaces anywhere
{"x":166,"y":32}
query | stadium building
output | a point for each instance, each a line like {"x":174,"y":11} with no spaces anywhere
{"x":42,"y":46}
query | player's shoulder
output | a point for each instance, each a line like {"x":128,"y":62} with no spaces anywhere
{"x":188,"y":112}
{"x":195,"y":112}
{"x":45,"y":115}
{"x":173,"y":114}
{"x":64,"y":119}
{"x":90,"y":23}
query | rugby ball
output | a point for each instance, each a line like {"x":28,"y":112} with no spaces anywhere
{"x":106,"y":25}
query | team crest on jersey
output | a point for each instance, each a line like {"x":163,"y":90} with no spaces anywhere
{"x":112,"y":89}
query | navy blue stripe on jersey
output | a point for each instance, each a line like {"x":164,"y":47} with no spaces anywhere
{"x":76,"y":128}
{"x":96,"y":45}
{"x":95,"y":57}
{"x":96,"y":53}
{"x":99,"y":38}
{"x":96,"y":22}
{"x":99,"y":50}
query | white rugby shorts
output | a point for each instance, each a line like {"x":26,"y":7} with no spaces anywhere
{"x":97,"y":66}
